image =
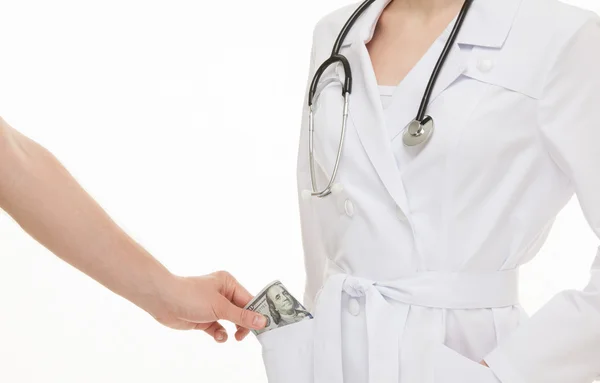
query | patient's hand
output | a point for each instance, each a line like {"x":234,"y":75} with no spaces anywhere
{"x":199,"y":302}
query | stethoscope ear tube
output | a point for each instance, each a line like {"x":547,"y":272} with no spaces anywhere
{"x":347,"y":86}
{"x":441,"y":60}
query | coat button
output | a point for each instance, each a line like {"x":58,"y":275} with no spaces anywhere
{"x":400,"y":214}
{"x":349,"y":207}
{"x":353,"y":306}
{"x":485,"y":65}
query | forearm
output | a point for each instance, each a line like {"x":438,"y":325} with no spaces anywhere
{"x":47,"y":202}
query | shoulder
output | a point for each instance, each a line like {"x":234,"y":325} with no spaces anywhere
{"x":542,"y":31}
{"x":559,"y":30}
{"x":331,"y":23}
{"x":551,"y":23}
{"x":328,"y":28}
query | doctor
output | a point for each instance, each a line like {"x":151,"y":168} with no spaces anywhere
{"x":469,"y":126}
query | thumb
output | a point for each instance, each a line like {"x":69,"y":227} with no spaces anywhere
{"x":245,"y":318}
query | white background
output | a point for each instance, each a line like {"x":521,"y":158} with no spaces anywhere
{"x":182,"y":119}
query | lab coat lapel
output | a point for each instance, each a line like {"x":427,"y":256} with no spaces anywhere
{"x":487,"y":25}
{"x":367,"y":117}
{"x":408,"y":98}
{"x":454,"y":66}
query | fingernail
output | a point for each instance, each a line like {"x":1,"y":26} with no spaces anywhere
{"x":259,"y":321}
{"x":220,"y":335}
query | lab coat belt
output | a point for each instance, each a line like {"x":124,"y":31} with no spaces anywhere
{"x":385,"y":323}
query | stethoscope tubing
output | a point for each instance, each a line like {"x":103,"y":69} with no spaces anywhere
{"x":420,"y":128}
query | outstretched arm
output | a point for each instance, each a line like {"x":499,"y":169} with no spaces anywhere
{"x":47,"y":202}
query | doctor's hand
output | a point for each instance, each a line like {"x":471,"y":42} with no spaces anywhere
{"x":198,"y":303}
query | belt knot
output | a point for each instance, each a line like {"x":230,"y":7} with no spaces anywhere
{"x":357,"y":287}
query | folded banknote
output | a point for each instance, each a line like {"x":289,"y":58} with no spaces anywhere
{"x":279,"y":307}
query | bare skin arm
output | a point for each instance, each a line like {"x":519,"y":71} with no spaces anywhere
{"x":49,"y":204}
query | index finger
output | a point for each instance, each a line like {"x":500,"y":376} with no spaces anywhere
{"x":240,"y":296}
{"x":233,"y":290}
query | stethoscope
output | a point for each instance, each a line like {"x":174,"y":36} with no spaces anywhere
{"x":416,"y":133}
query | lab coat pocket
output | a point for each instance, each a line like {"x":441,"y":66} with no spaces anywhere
{"x":288,"y":353}
{"x":452,"y":367}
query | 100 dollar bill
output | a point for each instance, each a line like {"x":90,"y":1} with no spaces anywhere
{"x":279,"y":307}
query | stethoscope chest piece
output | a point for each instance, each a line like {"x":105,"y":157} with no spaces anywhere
{"x":418,"y":132}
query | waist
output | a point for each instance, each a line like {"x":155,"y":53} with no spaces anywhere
{"x":437,"y":289}
{"x":444,"y":289}
{"x":385,"y":323}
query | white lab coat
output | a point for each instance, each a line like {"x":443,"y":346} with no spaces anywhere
{"x":412,"y":263}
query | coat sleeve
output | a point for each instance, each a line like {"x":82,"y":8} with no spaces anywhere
{"x":314,"y":254}
{"x":561,"y":342}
